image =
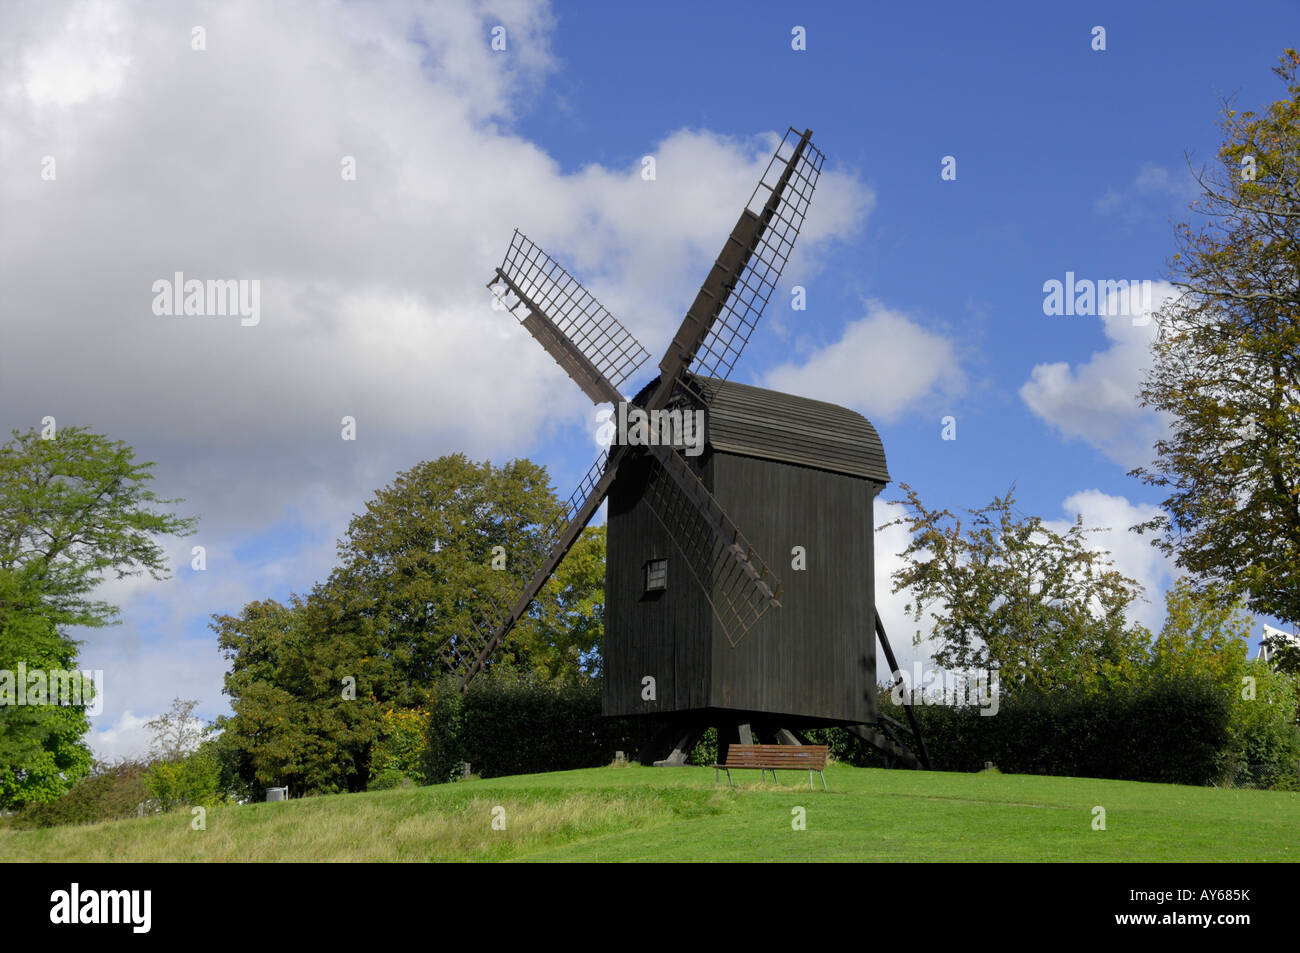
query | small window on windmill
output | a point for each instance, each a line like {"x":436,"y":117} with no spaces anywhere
{"x":656,"y":575}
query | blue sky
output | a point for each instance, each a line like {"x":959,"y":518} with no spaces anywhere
{"x":924,"y":296}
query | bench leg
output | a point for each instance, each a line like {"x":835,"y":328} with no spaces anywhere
{"x":729,"y":781}
{"x":823,"y":774}
{"x":810,"y":784}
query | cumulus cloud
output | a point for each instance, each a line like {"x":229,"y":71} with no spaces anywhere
{"x":226,"y":163}
{"x":127,"y":737}
{"x":922,"y":365}
{"x":1096,"y":401}
{"x":1133,"y":555}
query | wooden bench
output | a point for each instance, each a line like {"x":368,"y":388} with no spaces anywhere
{"x":766,"y":758}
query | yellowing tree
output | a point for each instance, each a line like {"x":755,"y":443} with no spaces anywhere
{"x":1227,"y":368}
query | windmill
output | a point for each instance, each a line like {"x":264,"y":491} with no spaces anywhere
{"x":686,"y":585}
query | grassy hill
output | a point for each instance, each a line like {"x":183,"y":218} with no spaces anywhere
{"x":676,"y":814}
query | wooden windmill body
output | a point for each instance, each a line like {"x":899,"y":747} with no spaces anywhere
{"x":800,"y":476}
{"x":700,"y":631}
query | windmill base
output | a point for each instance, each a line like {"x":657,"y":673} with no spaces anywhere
{"x":672,"y":744}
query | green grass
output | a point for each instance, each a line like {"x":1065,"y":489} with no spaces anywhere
{"x":676,"y":814}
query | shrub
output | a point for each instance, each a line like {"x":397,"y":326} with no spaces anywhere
{"x":1264,"y":741}
{"x":400,"y":749}
{"x":388,"y":779}
{"x":1171,"y":730}
{"x":194,"y":780}
{"x":111,"y":792}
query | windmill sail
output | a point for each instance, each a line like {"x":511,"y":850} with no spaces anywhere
{"x":574,"y":328}
{"x":743,"y":278}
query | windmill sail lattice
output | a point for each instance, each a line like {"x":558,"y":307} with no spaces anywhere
{"x":738,"y":585}
{"x":590,"y":342}
{"x":722,"y":319}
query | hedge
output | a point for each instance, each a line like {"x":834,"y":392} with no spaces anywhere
{"x":513,"y":725}
{"x":1166,"y":731}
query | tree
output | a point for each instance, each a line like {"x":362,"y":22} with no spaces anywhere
{"x":176,"y":732}
{"x":308,"y":686}
{"x":1226,"y":368}
{"x":41,"y":748}
{"x":73,"y":507}
{"x":569,"y":634}
{"x":311,"y":682}
{"x":1047,"y":609}
{"x":439,"y":552}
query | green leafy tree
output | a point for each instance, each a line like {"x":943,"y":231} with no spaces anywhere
{"x":307,"y":687}
{"x":437,"y":550}
{"x":1202,"y":634}
{"x":566,"y":641}
{"x":73,"y":507}
{"x":310,"y":682}
{"x":1226,"y":368}
{"x":1005,"y":591}
{"x":41,"y":748}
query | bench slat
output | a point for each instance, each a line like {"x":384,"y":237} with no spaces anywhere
{"x":790,"y":757}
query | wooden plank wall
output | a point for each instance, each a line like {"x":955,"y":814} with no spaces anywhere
{"x":813,"y":658}
{"x":665,"y":636}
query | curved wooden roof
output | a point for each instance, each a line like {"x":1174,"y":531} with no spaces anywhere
{"x":770,"y":425}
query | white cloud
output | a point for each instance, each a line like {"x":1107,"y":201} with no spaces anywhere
{"x":1152,"y":178}
{"x":85,"y":58}
{"x":1133,"y":554}
{"x":225,"y":163}
{"x":920,"y":366}
{"x":127,"y":737}
{"x":1150,"y":191}
{"x":1097,"y":401}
